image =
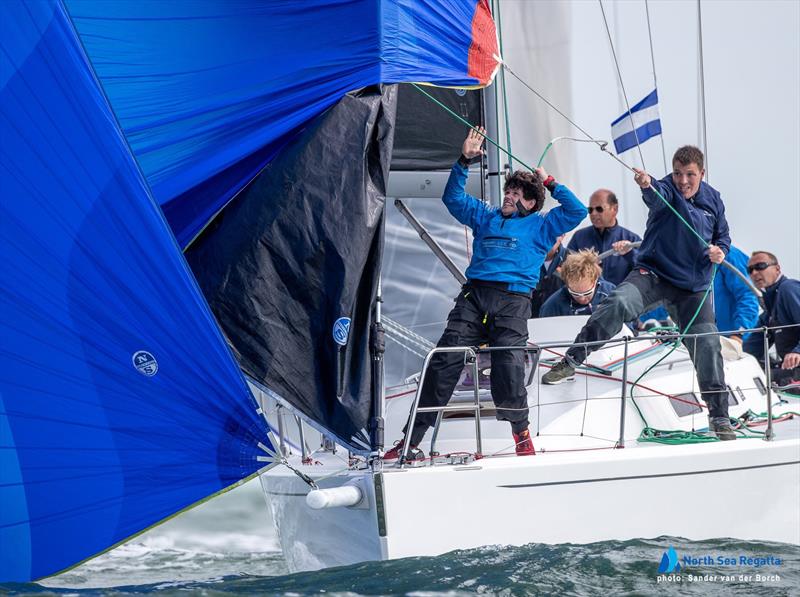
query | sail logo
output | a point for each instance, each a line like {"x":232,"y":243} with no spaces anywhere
{"x":145,"y":363}
{"x":341,"y":330}
{"x":669,"y":562}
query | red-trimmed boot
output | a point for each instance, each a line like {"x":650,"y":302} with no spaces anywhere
{"x":524,"y":443}
{"x":397,"y":451}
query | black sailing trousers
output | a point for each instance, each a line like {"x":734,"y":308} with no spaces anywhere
{"x":482,"y":314}
{"x":641,"y":291}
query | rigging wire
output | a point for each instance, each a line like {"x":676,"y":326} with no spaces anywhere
{"x":702,"y":85}
{"x":546,"y":101}
{"x":655,"y":81}
{"x":505,"y":91}
{"x":622,"y":85}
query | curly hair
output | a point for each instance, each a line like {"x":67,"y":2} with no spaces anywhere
{"x":530,"y":185}
{"x":688,"y":154}
{"x":581,"y":265}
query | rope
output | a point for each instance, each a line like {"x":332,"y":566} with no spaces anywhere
{"x":655,"y":82}
{"x":546,"y":101}
{"x":702,"y":83}
{"x":622,"y":85}
{"x":505,"y":91}
{"x":308,"y":480}
{"x":462,"y":120}
{"x":422,"y":341}
{"x":603,"y":147}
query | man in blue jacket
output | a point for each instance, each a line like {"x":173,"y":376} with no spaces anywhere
{"x":735,"y":305}
{"x":675,"y":267}
{"x":508,"y":249}
{"x":584,"y":289}
{"x":782,"y":307}
{"x":605,"y":233}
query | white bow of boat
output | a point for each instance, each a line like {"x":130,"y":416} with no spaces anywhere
{"x":592,"y":478}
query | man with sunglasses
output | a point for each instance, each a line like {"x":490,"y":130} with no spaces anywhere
{"x":605,"y":233}
{"x":672,"y":266}
{"x":584,"y":289}
{"x":782,"y":307}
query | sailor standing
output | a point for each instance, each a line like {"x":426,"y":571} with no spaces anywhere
{"x":673,"y":266}
{"x":509,"y":247}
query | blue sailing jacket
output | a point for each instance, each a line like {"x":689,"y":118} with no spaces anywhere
{"x":509,"y":249}
{"x":735,"y":305}
{"x":669,"y":249}
{"x":561,"y":302}
{"x":782,"y":301}
{"x":615,"y":267}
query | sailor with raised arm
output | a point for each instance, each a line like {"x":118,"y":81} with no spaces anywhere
{"x":673,"y":266}
{"x":509,"y":247}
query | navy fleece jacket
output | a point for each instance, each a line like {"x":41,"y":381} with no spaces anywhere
{"x":782,"y":301}
{"x":561,"y":303}
{"x":615,"y":267}
{"x":669,"y":249}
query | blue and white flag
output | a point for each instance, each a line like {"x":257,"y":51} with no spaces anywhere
{"x":646,"y":120}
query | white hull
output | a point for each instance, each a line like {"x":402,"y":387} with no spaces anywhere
{"x":577,"y":489}
{"x":719,"y":491}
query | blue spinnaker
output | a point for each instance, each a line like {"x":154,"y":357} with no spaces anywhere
{"x":208,"y":91}
{"x":120,"y":402}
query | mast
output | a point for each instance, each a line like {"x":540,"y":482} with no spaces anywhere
{"x":377,"y":347}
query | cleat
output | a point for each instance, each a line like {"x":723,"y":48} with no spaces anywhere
{"x":561,"y":372}
{"x":722,"y":427}
{"x":524,"y":443}
{"x":397,"y":451}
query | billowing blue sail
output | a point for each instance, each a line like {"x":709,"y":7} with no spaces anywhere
{"x":120,"y":401}
{"x":208,"y":91}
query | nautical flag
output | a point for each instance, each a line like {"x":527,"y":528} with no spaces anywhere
{"x":645,"y":119}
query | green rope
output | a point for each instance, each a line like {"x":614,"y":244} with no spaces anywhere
{"x":650,"y":435}
{"x":544,"y":153}
{"x":462,"y":120}
{"x":674,"y":346}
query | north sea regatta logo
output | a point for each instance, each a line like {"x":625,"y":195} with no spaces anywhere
{"x":675,"y":568}
{"x":669,"y":562}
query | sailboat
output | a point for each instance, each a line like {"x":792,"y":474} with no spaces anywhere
{"x":192,"y":271}
{"x":126,"y":127}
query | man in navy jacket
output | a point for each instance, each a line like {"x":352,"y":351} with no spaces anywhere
{"x":550,"y":280}
{"x":605,"y":233}
{"x":782,"y":302}
{"x":673,"y":266}
{"x":508,"y":249}
{"x":584,"y":289}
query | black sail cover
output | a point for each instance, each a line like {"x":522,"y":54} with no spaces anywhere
{"x":290,"y":267}
{"x":428,"y":136}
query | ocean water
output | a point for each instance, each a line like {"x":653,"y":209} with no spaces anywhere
{"x":228,"y":547}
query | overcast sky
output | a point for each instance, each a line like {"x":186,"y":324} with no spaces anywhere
{"x":752,"y":84}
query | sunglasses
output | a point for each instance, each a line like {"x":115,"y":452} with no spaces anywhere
{"x":582,"y":294}
{"x":598,"y":209}
{"x":759,"y":267}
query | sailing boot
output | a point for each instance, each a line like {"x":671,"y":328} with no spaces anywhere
{"x":524,"y":443}
{"x":722,"y":427}
{"x":561,"y":372}
{"x":398,"y":450}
